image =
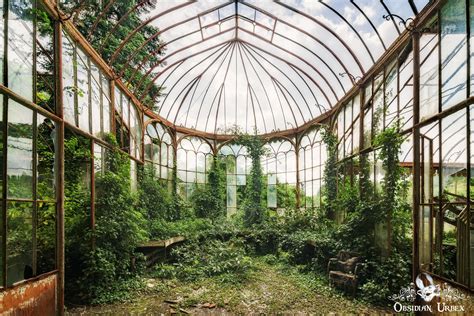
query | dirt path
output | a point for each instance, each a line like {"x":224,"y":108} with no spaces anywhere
{"x":269,"y":290}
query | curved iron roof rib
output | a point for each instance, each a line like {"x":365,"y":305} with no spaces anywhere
{"x":371,"y":23}
{"x":149,"y":71}
{"x":271,"y":64}
{"x":224,"y":46}
{"x":282,"y":72}
{"x":389,"y":14}
{"x":351,"y":27}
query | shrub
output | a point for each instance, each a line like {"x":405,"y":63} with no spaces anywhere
{"x":102,"y":268}
{"x":195,"y":260}
{"x":163,"y":229}
{"x":154,"y":198}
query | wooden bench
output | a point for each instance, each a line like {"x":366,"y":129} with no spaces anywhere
{"x":154,"y":250}
{"x":344,"y":271}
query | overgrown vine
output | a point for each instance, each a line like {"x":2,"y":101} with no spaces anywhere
{"x":330,"y":172}
{"x":253,"y":205}
{"x":209,"y":201}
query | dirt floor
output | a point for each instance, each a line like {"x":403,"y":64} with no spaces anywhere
{"x":271,"y":289}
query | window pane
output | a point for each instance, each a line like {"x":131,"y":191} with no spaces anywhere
{"x":46,"y":237}
{"x":20,"y":151}
{"x":272,"y":196}
{"x":69,"y":87}
{"x":454,"y":154}
{"x":83,"y":91}
{"x":95,"y":103}
{"x":20,"y":48}
{"x":45,"y":62}
{"x":429,"y":77}
{"x":106,"y":114}
{"x":453,"y":53}
{"x":19,"y":242}
{"x":45,"y":147}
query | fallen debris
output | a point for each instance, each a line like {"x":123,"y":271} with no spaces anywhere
{"x":208,"y":305}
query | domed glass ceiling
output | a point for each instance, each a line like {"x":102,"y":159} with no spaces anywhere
{"x":269,"y":65}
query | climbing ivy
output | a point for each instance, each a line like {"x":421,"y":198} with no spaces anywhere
{"x":330,"y":172}
{"x":209,"y":201}
{"x":254,"y":209}
{"x":394,"y":185}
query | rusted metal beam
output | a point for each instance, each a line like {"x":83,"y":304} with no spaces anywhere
{"x":416,"y":156}
{"x":60,"y":241}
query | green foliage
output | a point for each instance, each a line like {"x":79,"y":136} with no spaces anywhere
{"x":254,"y":210}
{"x":196,"y":260}
{"x":300,"y":219}
{"x":386,"y":278}
{"x":154,"y":198}
{"x":390,"y":142}
{"x":119,"y":226}
{"x":76,"y":211}
{"x":108,"y":36}
{"x":160,"y":229}
{"x":330,"y":172}
{"x":367,"y":209}
{"x":99,"y":263}
{"x":286,"y":196}
{"x":209,"y":201}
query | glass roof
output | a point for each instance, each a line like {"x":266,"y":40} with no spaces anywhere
{"x":269,"y":65}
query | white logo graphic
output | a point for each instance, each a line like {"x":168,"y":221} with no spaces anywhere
{"x":427,"y":291}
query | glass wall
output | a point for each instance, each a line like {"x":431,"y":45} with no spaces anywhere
{"x":127,"y":124}
{"x":159,"y":152}
{"x":28,"y":198}
{"x":194,"y":157}
{"x":30,"y":201}
{"x":86,"y":94}
{"x":453,"y":53}
{"x":238,"y":165}
{"x":279,"y":166}
{"x":312,"y":157}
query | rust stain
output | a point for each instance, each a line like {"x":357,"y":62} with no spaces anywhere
{"x":36,"y":297}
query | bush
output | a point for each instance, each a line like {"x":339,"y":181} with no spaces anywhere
{"x":163,"y":229}
{"x":310,"y":247}
{"x":154,"y":198}
{"x":195,"y":260}
{"x":387,"y":278}
{"x":99,"y":260}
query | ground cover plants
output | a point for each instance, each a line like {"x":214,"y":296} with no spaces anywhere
{"x":233,"y":251}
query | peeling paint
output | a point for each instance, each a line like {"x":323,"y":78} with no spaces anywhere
{"x":36,"y":297}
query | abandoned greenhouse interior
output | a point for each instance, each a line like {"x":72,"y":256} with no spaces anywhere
{"x":236,"y":157}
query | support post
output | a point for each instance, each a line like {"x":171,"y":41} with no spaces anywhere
{"x":297,"y":157}
{"x":416,"y":153}
{"x":60,"y":255}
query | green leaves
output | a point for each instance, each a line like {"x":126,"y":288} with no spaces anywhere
{"x":253,"y":206}
{"x":209,"y":201}
{"x":330,"y":172}
{"x":196,"y":260}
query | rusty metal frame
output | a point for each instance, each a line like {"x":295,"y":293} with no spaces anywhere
{"x":254,"y":48}
{"x":237,"y":28}
{"x":289,"y":130}
{"x":276,"y":20}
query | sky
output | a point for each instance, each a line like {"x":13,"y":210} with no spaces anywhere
{"x":271,"y":69}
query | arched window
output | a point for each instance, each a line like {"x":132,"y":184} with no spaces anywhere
{"x":194,"y":157}
{"x":237,"y":167}
{"x":280,"y":167}
{"x":159,"y":150}
{"x":312,"y":156}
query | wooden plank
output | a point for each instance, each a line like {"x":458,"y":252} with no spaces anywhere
{"x":162,"y":243}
